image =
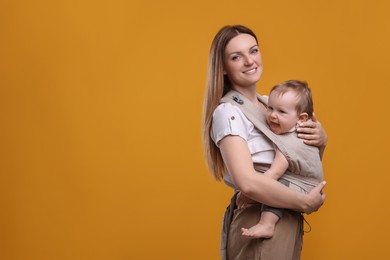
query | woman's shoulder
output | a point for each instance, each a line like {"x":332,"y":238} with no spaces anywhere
{"x":228,"y":119}
{"x":227,"y":108}
{"x":227,"y":111}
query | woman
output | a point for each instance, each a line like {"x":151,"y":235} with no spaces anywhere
{"x":232,"y":145}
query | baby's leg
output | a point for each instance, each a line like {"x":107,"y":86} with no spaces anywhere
{"x":264,"y":229}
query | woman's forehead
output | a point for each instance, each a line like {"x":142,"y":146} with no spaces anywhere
{"x":241,"y":42}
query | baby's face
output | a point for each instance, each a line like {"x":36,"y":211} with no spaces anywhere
{"x":282,"y":115}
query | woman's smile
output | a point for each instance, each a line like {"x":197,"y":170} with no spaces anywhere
{"x":250,"y":71}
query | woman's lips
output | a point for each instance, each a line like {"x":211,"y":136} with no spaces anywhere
{"x":250,"y":71}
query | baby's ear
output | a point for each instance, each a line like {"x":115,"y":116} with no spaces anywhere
{"x":303,"y":117}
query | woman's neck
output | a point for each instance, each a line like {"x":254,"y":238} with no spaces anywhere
{"x":248,"y":92}
{"x":251,"y":94}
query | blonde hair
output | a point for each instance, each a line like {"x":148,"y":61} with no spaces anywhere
{"x":217,"y":86}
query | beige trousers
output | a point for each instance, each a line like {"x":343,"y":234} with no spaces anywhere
{"x":286,"y":244}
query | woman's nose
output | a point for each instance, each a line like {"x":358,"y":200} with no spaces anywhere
{"x":248,"y":60}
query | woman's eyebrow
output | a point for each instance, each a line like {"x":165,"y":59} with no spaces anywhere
{"x":235,"y":52}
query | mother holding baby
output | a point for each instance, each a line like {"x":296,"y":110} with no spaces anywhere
{"x":233,"y":145}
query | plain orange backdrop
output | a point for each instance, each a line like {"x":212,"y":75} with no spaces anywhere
{"x":100,"y":107}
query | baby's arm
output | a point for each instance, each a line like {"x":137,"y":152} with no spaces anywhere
{"x":278,"y":167}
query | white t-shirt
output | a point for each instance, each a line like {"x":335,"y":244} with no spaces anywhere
{"x":229,"y":120}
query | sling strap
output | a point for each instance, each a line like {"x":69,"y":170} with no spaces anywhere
{"x":256,"y":116}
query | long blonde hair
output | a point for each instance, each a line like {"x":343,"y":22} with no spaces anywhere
{"x":217,"y":86}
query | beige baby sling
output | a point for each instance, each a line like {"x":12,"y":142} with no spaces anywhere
{"x":305,"y":167}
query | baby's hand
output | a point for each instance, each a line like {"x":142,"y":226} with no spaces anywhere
{"x":242,"y":200}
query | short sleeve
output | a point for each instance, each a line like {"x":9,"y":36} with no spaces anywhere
{"x":229,"y":120}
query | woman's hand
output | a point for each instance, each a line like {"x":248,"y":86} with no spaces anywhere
{"x":312,"y":133}
{"x":316,"y":197}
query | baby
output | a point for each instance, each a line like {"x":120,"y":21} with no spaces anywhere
{"x":289,"y":104}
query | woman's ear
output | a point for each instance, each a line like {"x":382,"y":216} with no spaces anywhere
{"x":303,"y":117}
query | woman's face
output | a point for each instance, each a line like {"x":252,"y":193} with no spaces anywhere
{"x":242,"y":61}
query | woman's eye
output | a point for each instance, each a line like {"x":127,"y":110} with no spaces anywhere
{"x":254,"y":51}
{"x":234,"y":58}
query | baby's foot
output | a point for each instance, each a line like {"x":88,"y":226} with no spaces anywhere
{"x":259,"y":231}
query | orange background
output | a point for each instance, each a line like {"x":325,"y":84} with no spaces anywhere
{"x":100,"y":105}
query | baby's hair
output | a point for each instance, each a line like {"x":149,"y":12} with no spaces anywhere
{"x":305,"y":100}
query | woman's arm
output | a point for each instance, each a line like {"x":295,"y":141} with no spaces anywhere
{"x":258,"y":187}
